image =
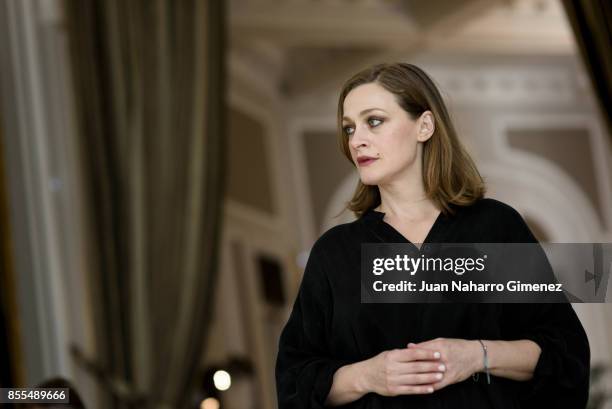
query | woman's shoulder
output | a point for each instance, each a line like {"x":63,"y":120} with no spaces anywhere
{"x":494,"y":209}
{"x":334,"y":236}
{"x":340,"y":237}
{"x":496,"y":220}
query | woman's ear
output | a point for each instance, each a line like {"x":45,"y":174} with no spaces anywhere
{"x":426,"y":126}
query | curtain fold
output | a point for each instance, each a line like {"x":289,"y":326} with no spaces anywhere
{"x":591,"y":22}
{"x":149,"y":82}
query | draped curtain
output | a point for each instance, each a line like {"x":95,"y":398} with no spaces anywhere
{"x":591,"y":21}
{"x":149,"y":91}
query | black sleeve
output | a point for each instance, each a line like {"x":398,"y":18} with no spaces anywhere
{"x":304,"y":365}
{"x":561,"y":376}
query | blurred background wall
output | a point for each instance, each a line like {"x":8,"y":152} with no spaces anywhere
{"x":166,"y":168}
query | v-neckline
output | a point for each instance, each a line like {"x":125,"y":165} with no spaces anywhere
{"x":400,"y":238}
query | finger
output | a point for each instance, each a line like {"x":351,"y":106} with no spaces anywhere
{"x":411,"y":390}
{"x":422,"y":367}
{"x":405,"y":368}
{"x":419,"y":379}
{"x":424,"y":344}
{"x":414,"y":354}
{"x":440,"y":384}
{"x":429,"y":346}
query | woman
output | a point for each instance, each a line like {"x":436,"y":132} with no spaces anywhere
{"x":418,"y":185}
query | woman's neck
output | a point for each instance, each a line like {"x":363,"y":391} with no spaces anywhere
{"x":405,"y":204}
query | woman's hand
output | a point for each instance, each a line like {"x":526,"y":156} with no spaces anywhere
{"x":405,"y":371}
{"x":431,"y":365}
{"x":461,"y":358}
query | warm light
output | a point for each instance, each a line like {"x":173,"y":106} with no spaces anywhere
{"x":209,"y":403}
{"x":222,"y":380}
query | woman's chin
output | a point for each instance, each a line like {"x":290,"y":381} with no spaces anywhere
{"x":369,"y":180}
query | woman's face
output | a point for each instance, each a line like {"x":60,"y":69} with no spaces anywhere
{"x":378,"y":128}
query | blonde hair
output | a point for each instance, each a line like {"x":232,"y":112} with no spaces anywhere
{"x":449,"y":174}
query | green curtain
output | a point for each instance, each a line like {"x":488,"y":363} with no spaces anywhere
{"x":149,"y":84}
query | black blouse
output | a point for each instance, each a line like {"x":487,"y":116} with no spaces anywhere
{"x":329,"y":327}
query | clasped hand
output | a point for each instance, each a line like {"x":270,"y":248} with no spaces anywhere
{"x":424,"y":367}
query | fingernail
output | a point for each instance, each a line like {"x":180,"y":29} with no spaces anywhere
{"x":430,"y":389}
{"x":441,"y":368}
{"x":436,"y":355}
{"x":438,"y":376}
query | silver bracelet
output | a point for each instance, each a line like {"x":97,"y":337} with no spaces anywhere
{"x":486,"y":364}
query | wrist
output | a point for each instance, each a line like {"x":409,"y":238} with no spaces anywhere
{"x":361,"y":377}
{"x":479,"y":364}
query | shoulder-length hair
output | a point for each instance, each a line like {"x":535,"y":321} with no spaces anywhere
{"x":449,"y":174}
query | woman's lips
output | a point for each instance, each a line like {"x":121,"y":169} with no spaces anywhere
{"x":365,"y":161}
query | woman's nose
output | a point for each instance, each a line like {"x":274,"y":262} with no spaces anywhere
{"x":358,"y":139}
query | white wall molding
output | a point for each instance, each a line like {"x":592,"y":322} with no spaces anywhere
{"x":573,"y":198}
{"x":244,"y":104}
{"x":246,"y":67}
{"x":337,"y":202}
{"x":297,"y":129}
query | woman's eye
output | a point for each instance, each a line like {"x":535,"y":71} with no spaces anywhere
{"x":372,"y":121}
{"x":347,"y":130}
{"x":375,"y":119}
